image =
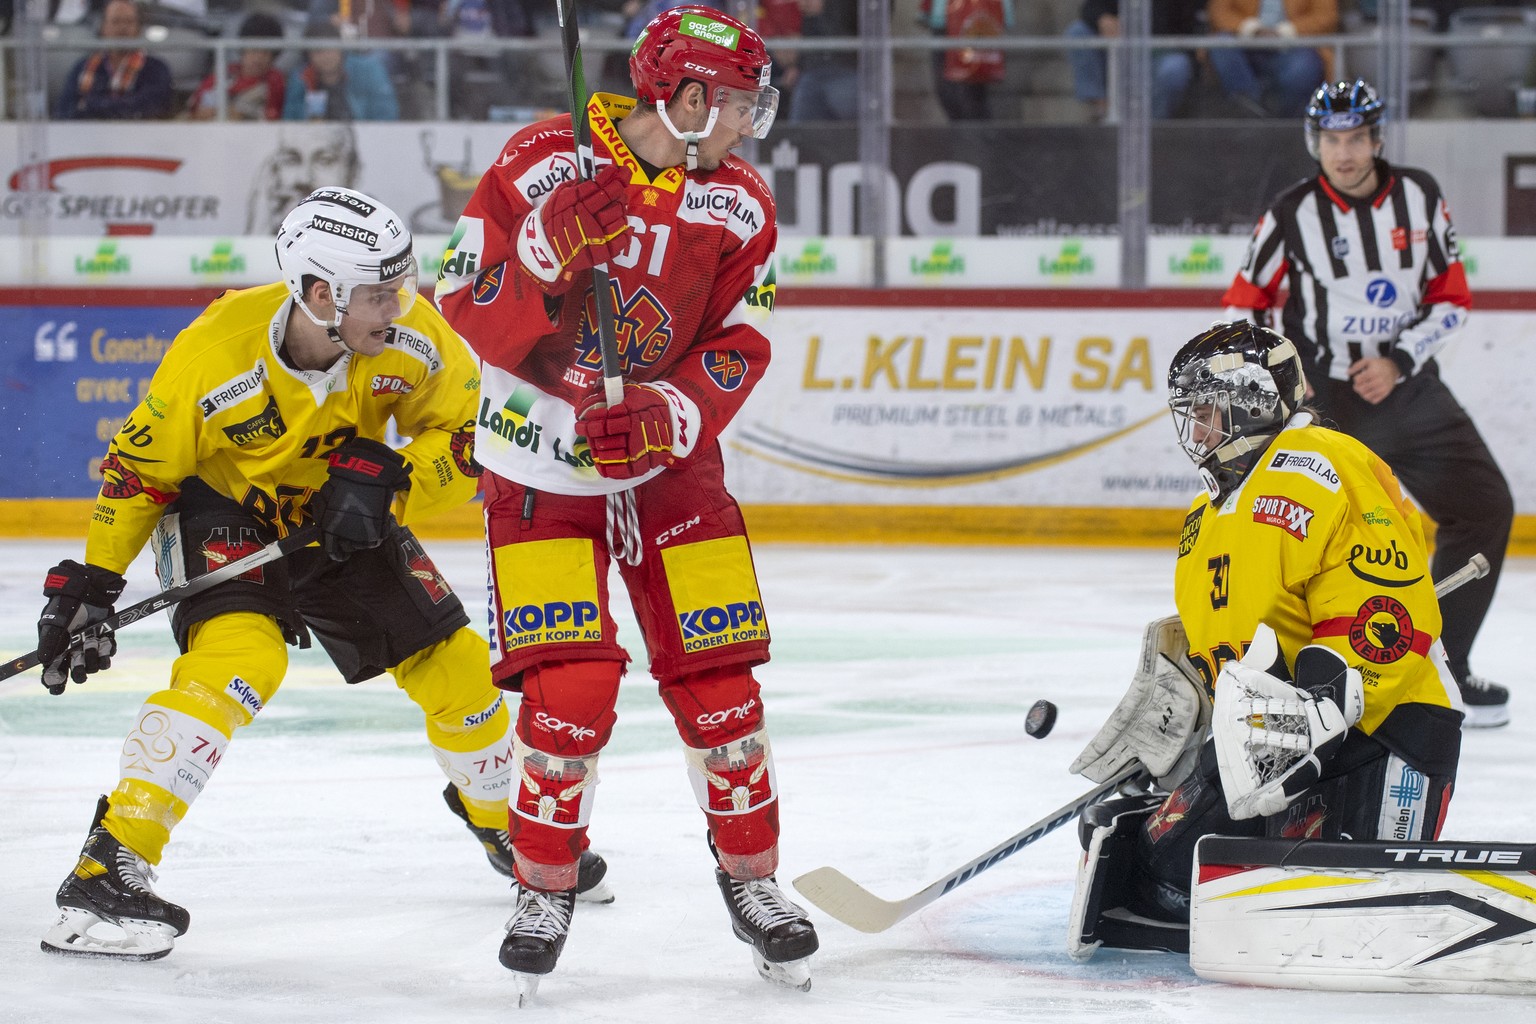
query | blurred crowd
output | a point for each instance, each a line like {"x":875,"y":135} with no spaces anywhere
{"x":379,"y":60}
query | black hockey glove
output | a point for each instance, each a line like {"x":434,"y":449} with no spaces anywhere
{"x":352,"y":507}
{"x":78,"y":596}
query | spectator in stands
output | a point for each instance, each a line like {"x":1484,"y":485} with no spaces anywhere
{"x":255,"y":86}
{"x":116,"y":84}
{"x":1271,"y":82}
{"x":963,"y":78}
{"x":333,"y":86}
{"x":777,"y":18}
{"x":1172,"y":70}
{"x":827,"y":85}
{"x":508,"y":76}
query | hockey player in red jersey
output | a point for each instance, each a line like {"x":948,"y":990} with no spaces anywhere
{"x":686,"y":232}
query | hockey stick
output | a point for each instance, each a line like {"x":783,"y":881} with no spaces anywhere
{"x":843,"y":898}
{"x":586,"y":162}
{"x":134,"y":612}
{"x":840,"y":896}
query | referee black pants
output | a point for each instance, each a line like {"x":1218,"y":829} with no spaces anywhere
{"x":1430,"y":442}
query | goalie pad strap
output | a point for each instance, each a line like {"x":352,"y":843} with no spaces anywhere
{"x":1365,"y":916}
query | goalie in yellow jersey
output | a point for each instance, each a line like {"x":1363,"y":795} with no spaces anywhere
{"x":1306,"y":609}
{"x":269,"y":412}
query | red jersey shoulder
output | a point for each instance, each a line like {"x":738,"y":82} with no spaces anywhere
{"x":538,"y":158}
{"x":733,"y":196}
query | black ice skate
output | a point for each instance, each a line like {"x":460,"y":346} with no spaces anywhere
{"x":1486,"y":702}
{"x":107,"y":908}
{"x":591,"y":870}
{"x":536,"y":935}
{"x":781,"y":936}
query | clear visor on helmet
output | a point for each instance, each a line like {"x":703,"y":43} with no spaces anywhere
{"x":746,"y":112}
{"x":385,"y":300}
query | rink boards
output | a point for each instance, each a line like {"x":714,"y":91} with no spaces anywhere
{"x":976,"y":416}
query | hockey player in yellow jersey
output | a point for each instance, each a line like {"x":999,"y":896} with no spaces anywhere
{"x":267,"y":413}
{"x":1306,"y":609}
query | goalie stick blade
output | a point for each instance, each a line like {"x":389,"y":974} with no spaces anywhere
{"x":849,"y":902}
{"x":841,"y":897}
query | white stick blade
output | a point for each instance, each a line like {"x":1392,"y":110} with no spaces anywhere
{"x":841,"y":897}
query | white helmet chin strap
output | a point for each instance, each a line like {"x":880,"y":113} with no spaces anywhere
{"x":691,"y":138}
{"x":330,"y":326}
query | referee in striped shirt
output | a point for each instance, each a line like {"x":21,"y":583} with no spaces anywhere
{"x":1376,"y":288}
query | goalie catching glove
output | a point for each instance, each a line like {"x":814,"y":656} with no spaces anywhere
{"x":574,"y":230}
{"x":649,"y":428}
{"x":78,"y":596}
{"x":353,"y":506}
{"x":1273,"y":739}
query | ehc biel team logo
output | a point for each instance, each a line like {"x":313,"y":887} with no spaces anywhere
{"x":727,"y":369}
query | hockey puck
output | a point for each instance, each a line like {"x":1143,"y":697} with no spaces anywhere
{"x":1040,"y":719}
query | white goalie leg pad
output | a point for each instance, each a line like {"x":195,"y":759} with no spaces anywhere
{"x":1365,"y":917}
{"x":1099,"y":916}
{"x":1162,"y":718}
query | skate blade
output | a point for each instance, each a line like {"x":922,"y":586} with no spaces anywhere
{"x":527,"y":986}
{"x":598,"y":894}
{"x":795,"y":974}
{"x":81,"y":933}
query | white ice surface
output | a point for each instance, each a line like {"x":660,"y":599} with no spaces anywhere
{"x":328,"y":883}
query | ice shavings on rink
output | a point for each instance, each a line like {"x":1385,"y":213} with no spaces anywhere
{"x":328,"y":883}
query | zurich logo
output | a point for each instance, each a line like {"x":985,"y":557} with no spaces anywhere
{"x":1381,"y":293}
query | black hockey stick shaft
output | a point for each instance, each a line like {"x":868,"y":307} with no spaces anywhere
{"x":134,"y":612}
{"x":843,"y":898}
{"x":586,"y":163}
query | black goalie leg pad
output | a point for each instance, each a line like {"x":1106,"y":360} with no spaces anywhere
{"x":1109,"y":905}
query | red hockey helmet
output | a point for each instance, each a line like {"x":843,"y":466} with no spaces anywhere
{"x":710,"y":47}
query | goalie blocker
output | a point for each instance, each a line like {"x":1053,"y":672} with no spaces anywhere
{"x":1365,"y":916}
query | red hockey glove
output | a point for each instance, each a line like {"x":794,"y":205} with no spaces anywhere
{"x":632,"y":438}
{"x":574,"y":230}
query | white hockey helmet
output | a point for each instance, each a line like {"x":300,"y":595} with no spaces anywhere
{"x":346,"y":239}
